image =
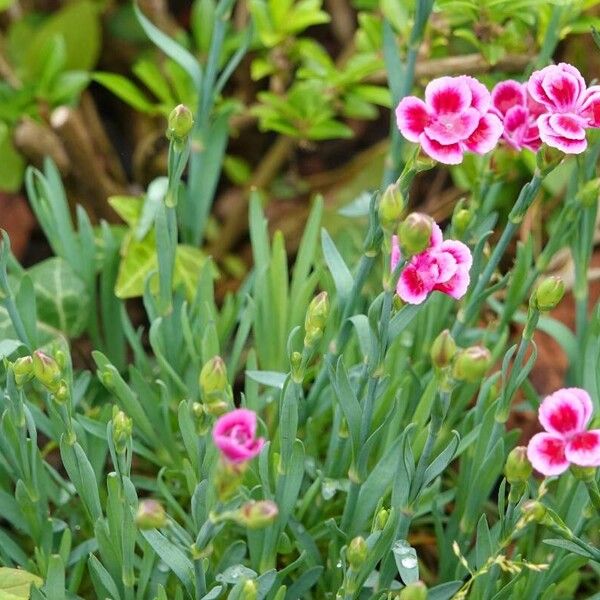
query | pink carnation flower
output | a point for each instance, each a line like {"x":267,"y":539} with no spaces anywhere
{"x":443,"y":266}
{"x":571,"y":107}
{"x":518,"y":112}
{"x":454,"y":118}
{"x":565,"y":415}
{"x":234,"y":435}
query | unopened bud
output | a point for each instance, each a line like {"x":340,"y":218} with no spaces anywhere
{"x":517,"y":468}
{"x":122,"y":427}
{"x":316,"y":318}
{"x":250,"y":590}
{"x":535,"y":511}
{"x":181,"y":122}
{"x":357,"y":553}
{"x":471,"y":364}
{"x":549,"y":293}
{"x":461,"y":219}
{"x":391,"y":207}
{"x":414,"y":233}
{"x":23,"y":370}
{"x":589,"y":192}
{"x":443,"y":349}
{"x":584,"y":473}
{"x":46,"y":370}
{"x":150,"y":515}
{"x":257,"y":514}
{"x":381,"y":519}
{"x":414,"y":591}
{"x":423,"y":163}
{"x":548,"y":158}
{"x":214,"y":386}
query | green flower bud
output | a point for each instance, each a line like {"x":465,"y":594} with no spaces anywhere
{"x":46,"y":370}
{"x":423,"y":163}
{"x":535,"y":511}
{"x":461,"y":219}
{"x":391,"y":207}
{"x":414,"y":591}
{"x":381,"y":519}
{"x":589,"y":193}
{"x":584,"y":473}
{"x":443,"y":349}
{"x":549,"y":293}
{"x":471,"y":364}
{"x":250,"y":590}
{"x":61,"y":394}
{"x":257,"y":514}
{"x":414,"y":233}
{"x":122,"y":427}
{"x":357,"y":553}
{"x":181,"y":122}
{"x":150,"y":515}
{"x":214,"y":386}
{"x":23,"y":370}
{"x":316,"y":318}
{"x":548,"y":158}
{"x":517,"y":468}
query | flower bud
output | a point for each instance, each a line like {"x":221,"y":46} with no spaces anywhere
{"x":461,"y":219}
{"x":471,"y":364}
{"x":381,"y":519}
{"x":23,"y":369}
{"x":414,"y":233}
{"x":250,"y":590}
{"x":443,"y":349}
{"x":122,"y":427}
{"x":46,"y":370}
{"x":391,"y":207}
{"x":357,"y":553}
{"x":214,"y":386}
{"x":150,"y":515}
{"x":423,"y":163}
{"x":589,"y":192}
{"x":517,"y":468}
{"x":535,"y":511}
{"x":316,"y":318}
{"x":414,"y":591}
{"x":257,"y":514}
{"x":181,"y":122}
{"x":549,"y":293}
{"x":584,"y":473}
{"x":548,"y":158}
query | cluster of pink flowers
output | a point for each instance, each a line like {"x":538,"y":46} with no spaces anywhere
{"x":565,"y":415}
{"x":459,"y":114}
{"x":442,"y":266}
{"x":234,"y":435}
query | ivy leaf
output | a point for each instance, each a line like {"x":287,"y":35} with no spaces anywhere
{"x":16,"y":583}
{"x":129,"y":208}
{"x":61,"y":296}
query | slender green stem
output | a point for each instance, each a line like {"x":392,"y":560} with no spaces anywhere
{"x":594,"y":493}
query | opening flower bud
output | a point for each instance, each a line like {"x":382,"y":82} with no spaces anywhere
{"x":214,"y":385}
{"x":461,"y":219}
{"x":549,"y":293}
{"x":471,"y":364}
{"x":517,"y":469}
{"x":46,"y":370}
{"x":414,"y":591}
{"x":257,"y":514}
{"x":23,"y":369}
{"x":443,"y":349}
{"x":150,"y":515}
{"x":357,"y":553}
{"x":391,"y":207}
{"x":414,"y":233}
{"x":181,"y":122}
{"x":122,"y":427}
{"x":316,"y":318}
{"x":534,"y":511}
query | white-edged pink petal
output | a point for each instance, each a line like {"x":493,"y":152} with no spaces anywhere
{"x":546,"y":453}
{"x":562,"y":88}
{"x":486,"y":136}
{"x":460,"y":251}
{"x":583,"y":449}
{"x":581,"y":396}
{"x":536,"y":89}
{"x":411,"y":288}
{"x":412,"y":116}
{"x":447,"y":266}
{"x":453,"y":127}
{"x":396,"y":253}
{"x":508,"y":94}
{"x":457,"y":285}
{"x":567,"y":125}
{"x":590,"y":106}
{"x":564,"y":144}
{"x":447,"y":95}
{"x":481,"y":99}
{"x":563,"y":413}
{"x":436,"y":236}
{"x":450,"y":154}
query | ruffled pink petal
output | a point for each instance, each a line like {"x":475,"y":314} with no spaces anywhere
{"x":460,"y":251}
{"x":450,"y":154}
{"x":412,"y":116}
{"x":235,"y":452}
{"x":583,"y":448}
{"x":481,"y":99}
{"x":564,"y":144}
{"x":411,"y":287}
{"x":536,"y":89}
{"x":436,"y":236}
{"x":448,"y":95}
{"x":453,"y":127}
{"x":576,"y":75}
{"x":447,"y":266}
{"x":563,"y":89}
{"x":563,"y":413}
{"x":508,"y":94}
{"x":457,"y":286}
{"x":515,"y":126}
{"x":395,"y":254}
{"x":486,"y":136}
{"x":240,"y":417}
{"x":590,"y":106}
{"x":546,"y":452}
{"x":581,"y":396}
{"x":531,"y":139}
{"x":567,"y":125}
